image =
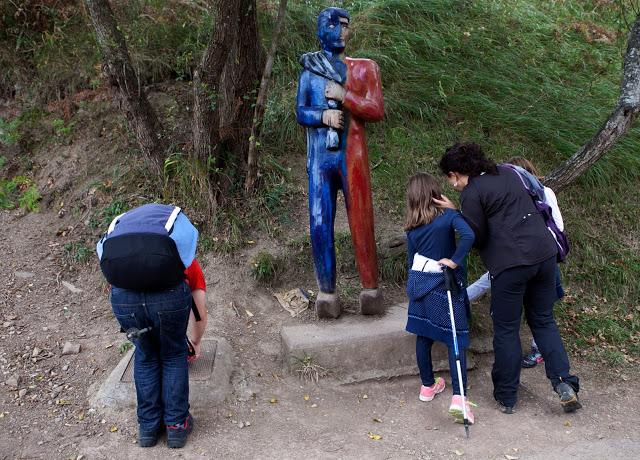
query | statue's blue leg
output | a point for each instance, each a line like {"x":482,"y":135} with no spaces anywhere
{"x":323,"y":188}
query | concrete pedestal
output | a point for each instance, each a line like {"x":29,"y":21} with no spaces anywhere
{"x":357,"y":348}
{"x":209,"y":379}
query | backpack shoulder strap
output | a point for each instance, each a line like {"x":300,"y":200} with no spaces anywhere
{"x":114,"y":222}
{"x":524,"y":182}
{"x":172,"y":219}
{"x":515,"y":170}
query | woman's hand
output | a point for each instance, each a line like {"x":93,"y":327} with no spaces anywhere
{"x":449,"y":263}
{"x":444,"y":203}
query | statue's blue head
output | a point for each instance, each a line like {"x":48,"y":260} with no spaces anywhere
{"x":333,"y":27}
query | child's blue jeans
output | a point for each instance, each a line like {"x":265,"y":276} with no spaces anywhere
{"x":423,"y":355}
{"x":161,"y":370}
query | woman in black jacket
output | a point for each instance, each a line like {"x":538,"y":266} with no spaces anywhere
{"x":520,"y":254}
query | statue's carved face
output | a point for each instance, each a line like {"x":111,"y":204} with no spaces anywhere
{"x":333,"y":29}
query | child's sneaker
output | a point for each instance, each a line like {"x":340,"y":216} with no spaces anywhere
{"x":532,"y":358}
{"x":177,"y":434}
{"x":428,"y":393}
{"x":455,"y":409}
{"x":148,"y":438}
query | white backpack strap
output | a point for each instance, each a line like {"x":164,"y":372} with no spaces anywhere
{"x":114,"y":222}
{"x":172,"y":219}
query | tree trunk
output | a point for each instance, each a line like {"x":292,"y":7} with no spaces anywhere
{"x":206,"y":80}
{"x":240,"y":83}
{"x":132,"y":98}
{"x":224,"y":90}
{"x":616,"y":125}
{"x":258,"y":113}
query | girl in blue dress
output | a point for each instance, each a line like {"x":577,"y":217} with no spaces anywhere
{"x":431,"y":243}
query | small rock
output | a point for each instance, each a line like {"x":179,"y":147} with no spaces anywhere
{"x":65,"y":367}
{"x":22,"y":392}
{"x":241,"y":425}
{"x":13,"y":381}
{"x":71,"y":287}
{"x":7,"y":324}
{"x":247,"y":424}
{"x":24,"y":275}
{"x":70,"y":348}
{"x":36,"y":351}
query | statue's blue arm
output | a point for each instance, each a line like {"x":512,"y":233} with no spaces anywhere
{"x":308,"y":115}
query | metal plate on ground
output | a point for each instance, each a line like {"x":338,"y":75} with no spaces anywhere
{"x":199,"y":370}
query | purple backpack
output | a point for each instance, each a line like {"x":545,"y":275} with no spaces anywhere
{"x":562,"y":242}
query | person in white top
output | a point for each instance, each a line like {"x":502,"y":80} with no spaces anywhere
{"x":483,"y":284}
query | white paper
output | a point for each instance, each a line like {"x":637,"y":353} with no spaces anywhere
{"x":424,"y":264}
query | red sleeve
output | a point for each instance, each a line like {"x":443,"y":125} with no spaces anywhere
{"x":370,"y":105}
{"x":195,"y":277}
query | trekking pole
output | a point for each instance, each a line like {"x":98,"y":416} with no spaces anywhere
{"x":452,"y":286}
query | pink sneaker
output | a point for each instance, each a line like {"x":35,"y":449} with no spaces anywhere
{"x":456,"y":409}
{"x":428,"y":393}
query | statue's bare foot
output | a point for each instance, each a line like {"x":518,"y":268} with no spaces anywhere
{"x":328,"y":306}
{"x":371,"y":302}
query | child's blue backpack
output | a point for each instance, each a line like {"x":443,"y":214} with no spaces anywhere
{"x":527,"y":179}
{"x":148,"y":248}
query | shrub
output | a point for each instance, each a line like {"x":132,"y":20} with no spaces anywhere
{"x":265,"y":267}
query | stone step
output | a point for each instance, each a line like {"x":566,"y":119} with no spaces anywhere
{"x":355,"y":348}
{"x":209,"y":378}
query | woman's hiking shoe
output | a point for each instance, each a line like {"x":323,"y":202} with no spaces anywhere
{"x":177,"y":434}
{"x":148,"y":438}
{"x":455,"y":409}
{"x":532,"y":359}
{"x":506,"y":409}
{"x":568,"y":397}
{"x":428,"y":393}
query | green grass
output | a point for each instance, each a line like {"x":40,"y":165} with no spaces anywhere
{"x":265,"y":267}
{"x":19,"y":191}
{"x":103,"y":217}
{"x":78,"y":252}
{"x":51,"y":51}
{"x":9,"y":132}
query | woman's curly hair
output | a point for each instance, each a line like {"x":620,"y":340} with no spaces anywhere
{"x":468,"y":159}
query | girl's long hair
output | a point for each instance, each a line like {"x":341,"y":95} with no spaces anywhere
{"x":421,"y":209}
{"x":525,"y":164}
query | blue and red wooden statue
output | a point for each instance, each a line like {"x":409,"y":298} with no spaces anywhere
{"x":337,"y":95}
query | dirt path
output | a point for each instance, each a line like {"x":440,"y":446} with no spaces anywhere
{"x":52,"y":418}
{"x":336,"y":421}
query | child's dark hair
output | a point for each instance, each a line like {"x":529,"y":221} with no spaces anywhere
{"x":421,"y":209}
{"x":468,"y":159}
